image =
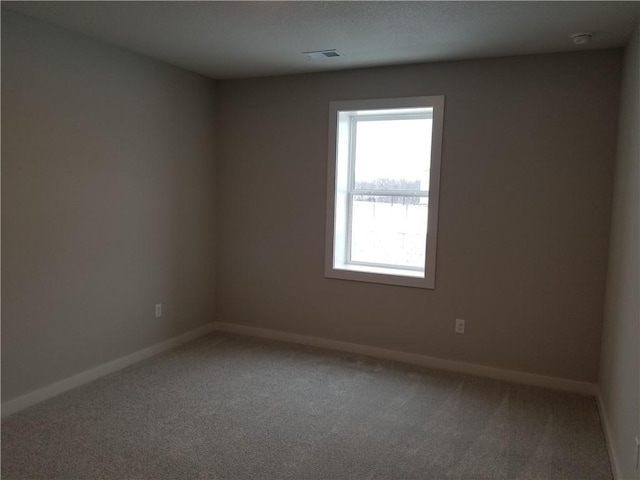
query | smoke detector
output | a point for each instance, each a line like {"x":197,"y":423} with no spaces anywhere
{"x":322,"y":54}
{"x":581,"y":38}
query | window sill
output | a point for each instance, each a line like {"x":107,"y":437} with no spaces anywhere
{"x":386,"y":276}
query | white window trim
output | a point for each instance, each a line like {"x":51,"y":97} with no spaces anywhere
{"x":370,"y":273}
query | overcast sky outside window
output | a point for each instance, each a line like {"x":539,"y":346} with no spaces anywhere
{"x":393,"y":149}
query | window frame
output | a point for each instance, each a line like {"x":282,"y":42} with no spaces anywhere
{"x":340,"y":190}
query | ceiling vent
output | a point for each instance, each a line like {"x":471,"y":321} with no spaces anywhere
{"x":323,"y":54}
{"x":581,"y":38}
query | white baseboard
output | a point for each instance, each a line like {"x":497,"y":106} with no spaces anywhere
{"x":415,"y":359}
{"x":12,"y":406}
{"x":53,"y":389}
{"x":608,"y":437}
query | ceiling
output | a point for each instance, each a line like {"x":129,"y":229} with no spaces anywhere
{"x":246,"y":39}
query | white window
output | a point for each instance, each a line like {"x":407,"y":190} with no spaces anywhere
{"x":382,"y":204}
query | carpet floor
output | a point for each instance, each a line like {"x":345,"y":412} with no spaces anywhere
{"x":232,"y":407}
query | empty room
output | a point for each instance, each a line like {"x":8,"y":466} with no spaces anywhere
{"x":320,"y":240}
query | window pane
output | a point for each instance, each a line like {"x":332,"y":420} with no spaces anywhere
{"x":389,"y":230}
{"x":393,"y":154}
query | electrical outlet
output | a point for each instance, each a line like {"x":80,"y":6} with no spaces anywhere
{"x":459,"y":325}
{"x":158,"y":310}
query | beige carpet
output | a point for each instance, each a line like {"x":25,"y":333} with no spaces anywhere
{"x":229,"y":407}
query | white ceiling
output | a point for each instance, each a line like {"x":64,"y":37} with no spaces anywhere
{"x":247,"y":39}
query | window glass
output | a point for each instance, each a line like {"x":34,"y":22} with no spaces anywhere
{"x":389,"y":230}
{"x":392,"y":154}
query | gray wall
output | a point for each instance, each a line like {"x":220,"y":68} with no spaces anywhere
{"x":529,"y":145}
{"x":620,"y":363}
{"x":108,"y":203}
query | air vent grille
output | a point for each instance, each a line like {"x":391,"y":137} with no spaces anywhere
{"x":323,"y":54}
